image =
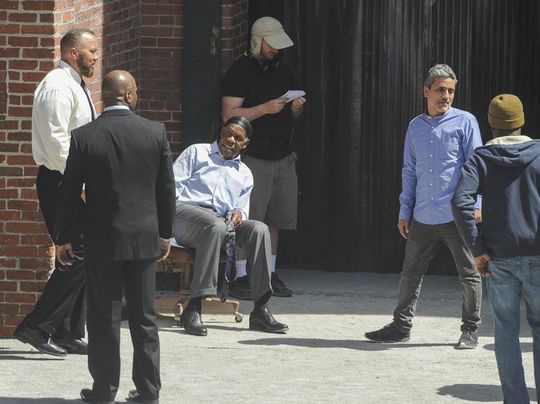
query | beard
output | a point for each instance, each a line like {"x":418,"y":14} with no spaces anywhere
{"x":85,"y":69}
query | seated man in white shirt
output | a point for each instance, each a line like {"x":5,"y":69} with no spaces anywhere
{"x":213,"y":186}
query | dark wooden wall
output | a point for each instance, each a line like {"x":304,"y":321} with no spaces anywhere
{"x":362,"y":64}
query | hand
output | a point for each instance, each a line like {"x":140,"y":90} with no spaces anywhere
{"x":64,"y":254}
{"x":403,"y":227}
{"x":478,"y":215}
{"x":297,"y":105}
{"x":481,"y":263}
{"x":274,"y":106}
{"x":165,"y":249}
{"x":236,"y":217}
{"x":83,"y":196}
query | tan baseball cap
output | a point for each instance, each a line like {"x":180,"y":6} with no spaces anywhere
{"x":272,"y":32}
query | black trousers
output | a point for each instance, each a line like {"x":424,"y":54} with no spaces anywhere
{"x":60,"y":310}
{"x":105,"y":281}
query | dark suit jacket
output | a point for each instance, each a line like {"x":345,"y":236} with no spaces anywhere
{"x":125,"y":162}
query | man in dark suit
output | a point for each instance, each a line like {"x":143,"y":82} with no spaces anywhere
{"x":125,"y":163}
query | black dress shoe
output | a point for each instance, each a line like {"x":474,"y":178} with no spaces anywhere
{"x":263,"y":320}
{"x":134,"y":396}
{"x":279,"y":289}
{"x":240,"y":289}
{"x":90,"y":396}
{"x":192,"y":323}
{"x":38,"y":339}
{"x":72,"y":345}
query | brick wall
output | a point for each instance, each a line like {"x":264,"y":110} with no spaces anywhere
{"x":160,"y":65}
{"x":143,"y":37}
{"x":234,"y":31}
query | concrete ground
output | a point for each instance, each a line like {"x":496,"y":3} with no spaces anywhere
{"x":324,"y":357}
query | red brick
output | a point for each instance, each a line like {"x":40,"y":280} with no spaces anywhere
{"x":21,"y":88}
{"x":23,"y":17}
{"x":20,"y":274}
{"x":38,"y":53}
{"x":7,"y":263}
{"x":38,"y":5}
{"x":9,"y":5}
{"x":32,"y":287}
{"x":17,"y":251}
{"x":8,"y":308}
{"x":21,"y":182}
{"x":37,"y":29}
{"x":20,"y":297}
{"x":28,"y":216}
{"x":9,"y":239}
{"x":23,"y":65}
{"x":20,"y":136}
{"x":34,"y":77}
{"x":8,"y":286}
{"x":10,"y":28}
{"x":6,"y":331}
{"x":44,"y":264}
{"x":12,"y":320}
{"x":24,"y":228}
{"x":9,"y":52}
{"x":10,"y":215}
{"x":42,"y":275}
{"x":9,"y":194}
{"x":10,"y":171}
{"x":25,"y":308}
{"x":35,"y":239}
{"x":30,"y":171}
{"x":28,"y":194}
{"x":22,"y":160}
{"x":23,"y":41}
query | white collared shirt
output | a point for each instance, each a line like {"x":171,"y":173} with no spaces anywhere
{"x":60,"y":105}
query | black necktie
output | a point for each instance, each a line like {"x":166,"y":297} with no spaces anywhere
{"x":83,"y":85}
{"x":230,"y":250}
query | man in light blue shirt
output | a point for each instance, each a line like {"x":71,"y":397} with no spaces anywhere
{"x":437,"y":145}
{"x":213,"y":187}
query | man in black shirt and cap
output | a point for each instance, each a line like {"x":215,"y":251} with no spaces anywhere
{"x":253,"y":87}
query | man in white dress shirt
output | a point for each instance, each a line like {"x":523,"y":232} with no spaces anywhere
{"x":61,"y":103}
{"x":213,"y":187}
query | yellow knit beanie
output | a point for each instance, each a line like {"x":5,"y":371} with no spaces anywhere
{"x":506,"y":112}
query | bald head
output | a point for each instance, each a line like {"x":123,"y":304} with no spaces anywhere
{"x":119,"y":88}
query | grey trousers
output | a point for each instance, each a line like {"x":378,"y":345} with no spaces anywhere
{"x":423,"y":243}
{"x":203,"y":229}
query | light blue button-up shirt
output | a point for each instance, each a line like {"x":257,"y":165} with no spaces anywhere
{"x":203,"y":177}
{"x":435,"y":150}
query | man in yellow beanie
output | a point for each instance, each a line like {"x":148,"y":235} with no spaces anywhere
{"x":506,"y":172}
{"x":253,"y":87}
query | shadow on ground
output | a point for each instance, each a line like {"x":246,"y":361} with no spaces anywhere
{"x":10,"y":354}
{"x":335,"y":343}
{"x":479,"y":393}
{"x":525,"y":347}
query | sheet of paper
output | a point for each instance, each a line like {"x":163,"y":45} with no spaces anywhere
{"x":292,"y":95}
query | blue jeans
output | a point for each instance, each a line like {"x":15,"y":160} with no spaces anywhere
{"x":510,"y":280}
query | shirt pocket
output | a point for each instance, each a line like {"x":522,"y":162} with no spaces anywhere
{"x":449,"y":145}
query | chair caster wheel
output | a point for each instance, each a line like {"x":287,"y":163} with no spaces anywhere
{"x":238,"y":317}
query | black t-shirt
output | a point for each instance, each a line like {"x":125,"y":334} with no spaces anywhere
{"x":272,"y":133}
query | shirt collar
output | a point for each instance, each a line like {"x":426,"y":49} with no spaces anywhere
{"x":215,"y":149}
{"x":65,"y":66}
{"x":115,"y":107}
{"x":439,"y":117}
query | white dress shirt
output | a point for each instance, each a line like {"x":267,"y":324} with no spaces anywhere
{"x":60,"y":105}
{"x":202,"y":176}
